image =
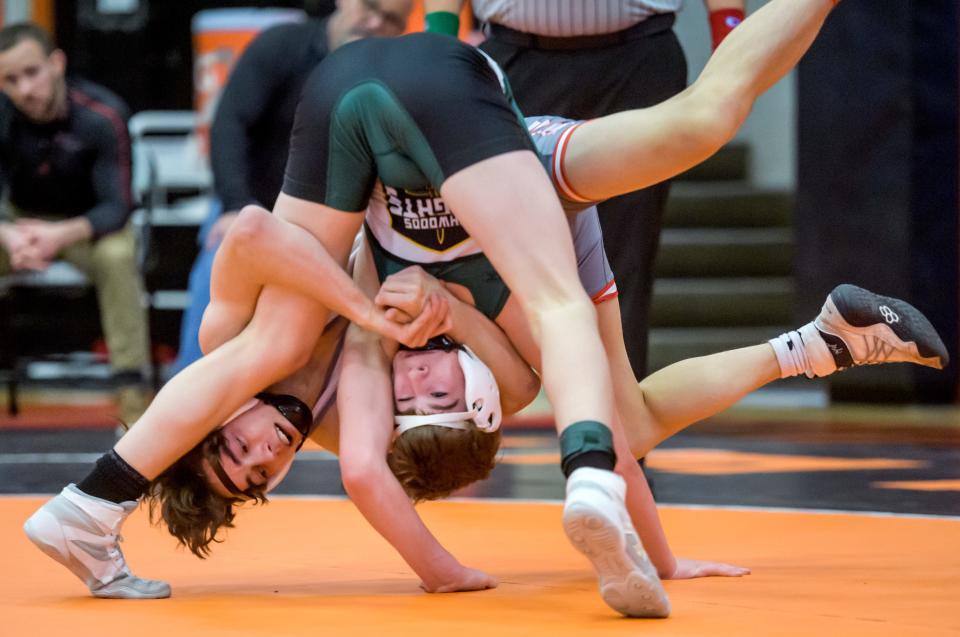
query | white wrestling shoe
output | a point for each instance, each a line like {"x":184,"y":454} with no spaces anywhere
{"x":80,"y":532}
{"x":596,"y":521}
{"x":857,"y":327}
{"x":869,"y":329}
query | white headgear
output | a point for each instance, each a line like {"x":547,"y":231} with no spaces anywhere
{"x":480,"y":392}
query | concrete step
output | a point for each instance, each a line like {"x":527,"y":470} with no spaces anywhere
{"x":725,"y":252}
{"x":669,"y":345}
{"x":726,"y":302}
{"x":722,"y":205}
{"x":730,"y":163}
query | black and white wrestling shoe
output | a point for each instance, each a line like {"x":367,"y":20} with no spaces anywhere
{"x":858,"y":327}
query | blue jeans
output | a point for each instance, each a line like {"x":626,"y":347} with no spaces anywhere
{"x":198,"y":288}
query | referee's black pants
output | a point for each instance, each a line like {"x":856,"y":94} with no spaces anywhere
{"x":585,"y":83}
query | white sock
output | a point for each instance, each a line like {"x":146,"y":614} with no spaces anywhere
{"x":803,"y":351}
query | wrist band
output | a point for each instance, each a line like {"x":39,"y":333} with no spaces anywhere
{"x":722,"y":22}
{"x":443,"y":22}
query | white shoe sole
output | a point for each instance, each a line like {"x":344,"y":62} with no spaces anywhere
{"x":628,"y":587}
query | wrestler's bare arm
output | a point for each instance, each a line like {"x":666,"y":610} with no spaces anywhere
{"x":364,"y":400}
{"x":317,"y":241}
{"x":318,"y":268}
{"x":627,"y":151}
{"x":366,"y":409}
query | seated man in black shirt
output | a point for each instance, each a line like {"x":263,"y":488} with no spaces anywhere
{"x":65,"y":177}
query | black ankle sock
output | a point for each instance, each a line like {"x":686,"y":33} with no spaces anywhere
{"x":114,"y":480}
{"x":586,"y":444}
{"x":595,"y":459}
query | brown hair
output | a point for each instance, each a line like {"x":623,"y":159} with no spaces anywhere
{"x":14,"y":34}
{"x":182,"y":498}
{"x":433,"y":461}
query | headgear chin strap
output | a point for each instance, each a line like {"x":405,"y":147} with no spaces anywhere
{"x":480,"y":392}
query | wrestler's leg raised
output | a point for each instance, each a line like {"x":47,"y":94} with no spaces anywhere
{"x":631,"y":150}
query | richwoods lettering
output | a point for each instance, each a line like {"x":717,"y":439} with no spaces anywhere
{"x":423,"y":218}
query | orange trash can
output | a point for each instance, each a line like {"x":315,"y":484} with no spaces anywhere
{"x":219,"y":38}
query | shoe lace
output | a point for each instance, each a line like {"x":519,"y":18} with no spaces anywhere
{"x":876,"y":350}
{"x":114,"y":552}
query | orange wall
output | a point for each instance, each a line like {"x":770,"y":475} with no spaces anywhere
{"x":43,"y":14}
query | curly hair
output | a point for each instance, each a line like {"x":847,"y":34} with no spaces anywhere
{"x":432,"y":461}
{"x":182,"y":498}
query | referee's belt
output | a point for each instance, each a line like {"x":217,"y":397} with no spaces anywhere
{"x":654,"y":24}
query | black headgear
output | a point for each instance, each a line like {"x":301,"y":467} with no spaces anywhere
{"x":293,"y":409}
{"x":441,"y":342}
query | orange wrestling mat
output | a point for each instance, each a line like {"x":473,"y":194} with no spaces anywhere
{"x":314,"y":567}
